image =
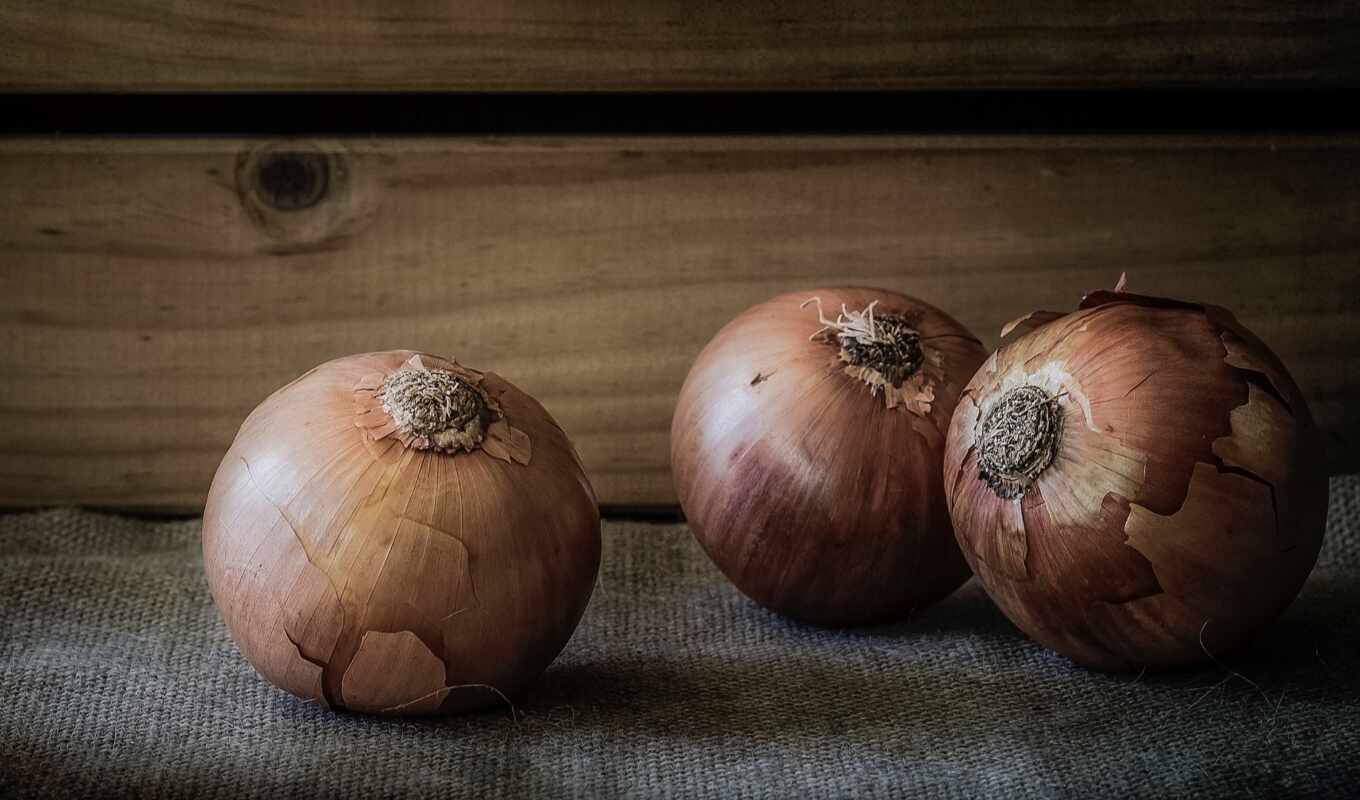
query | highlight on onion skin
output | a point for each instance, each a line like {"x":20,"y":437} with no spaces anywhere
{"x":395,"y":533}
{"x":813,"y":481}
{"x":1137,"y":484}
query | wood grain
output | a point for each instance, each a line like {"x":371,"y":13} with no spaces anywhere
{"x":139,"y":45}
{"x":153,"y":291}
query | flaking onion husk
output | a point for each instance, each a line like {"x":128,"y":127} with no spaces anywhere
{"x":1182,"y":505}
{"x":371,"y":566}
{"x":809,"y":470}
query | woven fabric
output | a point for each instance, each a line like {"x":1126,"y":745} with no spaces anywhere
{"x":117,"y":677}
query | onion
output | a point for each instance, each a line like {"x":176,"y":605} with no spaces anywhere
{"x":1136,"y":484}
{"x":395,"y":533}
{"x":807,"y":453}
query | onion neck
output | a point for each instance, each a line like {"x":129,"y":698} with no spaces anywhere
{"x":892,"y":350}
{"x":884,"y":349}
{"x":1018,"y":440}
{"x":436,"y":408}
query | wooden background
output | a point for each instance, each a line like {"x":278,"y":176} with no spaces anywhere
{"x":153,"y":291}
{"x":379,"y":45}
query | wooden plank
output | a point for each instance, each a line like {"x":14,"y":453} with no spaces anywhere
{"x":139,"y":45}
{"x":152,"y":291}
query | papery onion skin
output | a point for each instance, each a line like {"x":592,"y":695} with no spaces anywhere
{"x":357,"y":571}
{"x":814,"y":497}
{"x":1185,"y":503}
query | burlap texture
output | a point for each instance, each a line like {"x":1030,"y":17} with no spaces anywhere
{"x":117,"y":677}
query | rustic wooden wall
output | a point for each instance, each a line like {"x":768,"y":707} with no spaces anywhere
{"x":153,"y":291}
{"x":376,"y":45}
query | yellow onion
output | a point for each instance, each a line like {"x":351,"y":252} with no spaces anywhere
{"x":1137,"y":484}
{"x":807,"y":452}
{"x":396,"y":533}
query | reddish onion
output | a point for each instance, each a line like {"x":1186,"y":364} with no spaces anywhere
{"x":807,"y":453}
{"x":395,"y":533}
{"x":1137,"y":483}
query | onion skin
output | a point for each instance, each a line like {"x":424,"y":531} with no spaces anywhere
{"x":1186,"y":500}
{"x":812,"y":496}
{"x":357,"y":571}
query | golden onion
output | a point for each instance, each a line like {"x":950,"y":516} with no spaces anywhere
{"x":396,"y":533}
{"x":807,"y":447}
{"x":1137,"y":484}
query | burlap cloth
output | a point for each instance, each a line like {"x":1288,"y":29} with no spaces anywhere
{"x":117,"y":677}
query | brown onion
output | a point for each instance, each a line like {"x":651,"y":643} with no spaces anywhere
{"x":395,"y":533}
{"x":807,"y":453}
{"x":1136,"y":484}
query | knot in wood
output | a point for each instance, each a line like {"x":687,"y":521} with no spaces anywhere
{"x":291,"y":180}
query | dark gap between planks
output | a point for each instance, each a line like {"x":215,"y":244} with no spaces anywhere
{"x":1137,"y":111}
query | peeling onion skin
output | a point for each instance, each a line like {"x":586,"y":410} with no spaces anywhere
{"x":1186,"y":500}
{"x":365,"y":574}
{"x":810,"y":494}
